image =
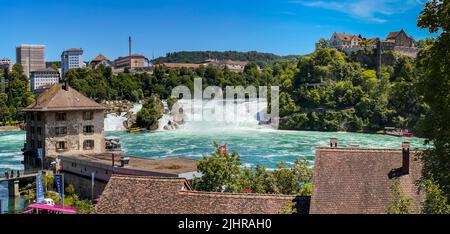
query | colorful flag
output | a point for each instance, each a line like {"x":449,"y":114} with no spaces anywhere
{"x":59,"y":186}
{"x":223,"y":149}
{"x":39,"y":188}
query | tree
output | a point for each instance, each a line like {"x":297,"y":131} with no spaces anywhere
{"x":220,"y":172}
{"x":322,"y":43}
{"x":434,"y":84}
{"x":436,"y":202}
{"x":399,"y":204}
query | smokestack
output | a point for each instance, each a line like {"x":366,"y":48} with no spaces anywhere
{"x":333,"y":142}
{"x":129,"y":49}
{"x":405,"y":157}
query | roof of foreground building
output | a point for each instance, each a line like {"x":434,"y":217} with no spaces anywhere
{"x":171,"y":195}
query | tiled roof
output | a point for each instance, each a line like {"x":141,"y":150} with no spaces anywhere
{"x":181,"y":65}
{"x":74,"y":50}
{"x":99,"y":58}
{"x":347,"y":37}
{"x":353,"y":180}
{"x":56,"y":98}
{"x":156,"y":195}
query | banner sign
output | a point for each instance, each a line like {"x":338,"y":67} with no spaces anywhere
{"x":93,"y":178}
{"x":39,"y":153}
{"x":59,"y":186}
{"x":39,"y":188}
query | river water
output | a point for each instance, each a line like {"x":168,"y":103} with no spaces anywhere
{"x":257,"y":145}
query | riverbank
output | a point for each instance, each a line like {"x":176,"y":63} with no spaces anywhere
{"x":9,"y":128}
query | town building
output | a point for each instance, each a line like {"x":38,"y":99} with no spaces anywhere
{"x":77,"y":169}
{"x":170,"y":195}
{"x":31,"y":57}
{"x":236,"y":66}
{"x":359,"y":180}
{"x":395,"y":41}
{"x":71,"y":58}
{"x":100,"y":60}
{"x":65,"y":133}
{"x":345,"y":42}
{"x":61,"y":122}
{"x":5,"y":64}
{"x":135,"y":61}
{"x":42,"y":79}
{"x":401,"y":39}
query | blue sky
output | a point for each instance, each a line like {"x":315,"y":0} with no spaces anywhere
{"x":278,"y":26}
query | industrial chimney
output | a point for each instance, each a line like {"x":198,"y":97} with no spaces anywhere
{"x":405,"y":158}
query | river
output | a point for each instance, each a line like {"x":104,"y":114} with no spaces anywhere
{"x":257,"y":145}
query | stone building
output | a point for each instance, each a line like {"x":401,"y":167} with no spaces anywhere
{"x":400,"y":39}
{"x":345,"y":42}
{"x":62,"y":122}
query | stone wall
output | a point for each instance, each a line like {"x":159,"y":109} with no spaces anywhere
{"x":83,"y":185}
{"x":75,"y":136}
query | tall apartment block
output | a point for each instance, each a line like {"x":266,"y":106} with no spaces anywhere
{"x":71,"y":58}
{"x":31,"y":57}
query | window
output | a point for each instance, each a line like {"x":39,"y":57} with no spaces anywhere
{"x":60,"y":116}
{"x":32,"y":129}
{"x":61,"y":130}
{"x":88,"y":129}
{"x":88,"y":144}
{"x":39,"y":144}
{"x":88,"y":115}
{"x":61,"y":145}
{"x":39,"y":130}
{"x":38,"y":116}
{"x":33,"y":144}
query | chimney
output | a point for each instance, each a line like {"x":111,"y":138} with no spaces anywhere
{"x":66,"y":85}
{"x":333,"y":142}
{"x":405,"y":157}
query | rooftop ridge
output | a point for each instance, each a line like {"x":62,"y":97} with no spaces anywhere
{"x":228,"y":194}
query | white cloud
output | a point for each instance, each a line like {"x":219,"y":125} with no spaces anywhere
{"x":368,"y":10}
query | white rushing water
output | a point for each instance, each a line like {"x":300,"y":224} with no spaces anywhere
{"x":201,"y":115}
{"x":215,"y":114}
{"x":114,"y":121}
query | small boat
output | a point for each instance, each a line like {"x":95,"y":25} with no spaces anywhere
{"x":134,"y":130}
{"x":398,"y":132}
{"x":36,"y":208}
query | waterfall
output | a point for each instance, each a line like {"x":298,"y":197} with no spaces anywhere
{"x":115,"y":121}
{"x":228,"y":114}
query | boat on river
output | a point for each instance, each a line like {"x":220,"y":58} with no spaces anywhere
{"x":131,"y":130}
{"x":397,"y":132}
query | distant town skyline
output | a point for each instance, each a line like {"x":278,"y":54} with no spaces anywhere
{"x":158,"y":27}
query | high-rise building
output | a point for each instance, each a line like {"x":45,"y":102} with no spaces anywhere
{"x":71,"y":58}
{"x":31,"y":57}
